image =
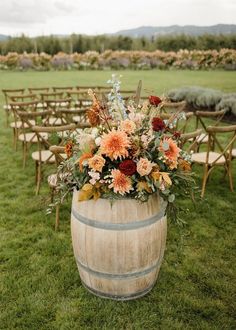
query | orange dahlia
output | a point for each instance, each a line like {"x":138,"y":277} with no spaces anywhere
{"x":115,"y":144}
{"x":169,"y":148}
{"x":120,"y":182}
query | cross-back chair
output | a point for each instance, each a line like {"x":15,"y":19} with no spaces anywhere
{"x":43,"y":155}
{"x":210,"y":159}
{"x":16,"y":125}
{"x":56,"y":106}
{"x":7,"y":94}
{"x":201,"y":116}
{"x":26,"y":134}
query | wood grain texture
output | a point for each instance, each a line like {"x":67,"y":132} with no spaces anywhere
{"x":120,"y":256}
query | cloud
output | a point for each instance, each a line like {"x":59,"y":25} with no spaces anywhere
{"x":35,"y":17}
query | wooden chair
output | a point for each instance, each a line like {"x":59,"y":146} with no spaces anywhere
{"x":200,"y":123}
{"x":73,"y":116}
{"x":211,"y":159}
{"x":26,"y":134}
{"x":7,"y":94}
{"x":30,"y":106}
{"x":55,"y":106}
{"x":44,"y":155}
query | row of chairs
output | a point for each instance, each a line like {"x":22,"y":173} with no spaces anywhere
{"x":76,"y":95}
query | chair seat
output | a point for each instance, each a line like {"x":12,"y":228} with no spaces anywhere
{"x":18,"y":124}
{"x":31,"y":137}
{"x":46,"y":156}
{"x":53,"y":121}
{"x":200,"y":158}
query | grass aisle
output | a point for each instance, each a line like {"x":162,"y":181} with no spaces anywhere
{"x":40,"y":286}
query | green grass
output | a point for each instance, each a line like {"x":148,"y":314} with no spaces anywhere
{"x":40,"y":285}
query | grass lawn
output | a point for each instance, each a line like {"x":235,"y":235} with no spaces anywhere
{"x":40,"y":286}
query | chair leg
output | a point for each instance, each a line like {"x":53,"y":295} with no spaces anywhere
{"x":204,"y":181}
{"x":38,"y":178}
{"x":24,"y":153}
{"x":57,"y":217}
{"x":230,"y":178}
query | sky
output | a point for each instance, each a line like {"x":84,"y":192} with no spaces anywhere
{"x":45,"y":17}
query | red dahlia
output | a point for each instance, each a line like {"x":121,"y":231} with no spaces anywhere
{"x":158,"y":124}
{"x":128,"y":167}
{"x":154,"y":100}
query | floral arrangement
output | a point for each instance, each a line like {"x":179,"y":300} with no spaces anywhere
{"x":129,"y":151}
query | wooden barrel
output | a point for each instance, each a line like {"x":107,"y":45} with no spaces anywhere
{"x":118,"y":246}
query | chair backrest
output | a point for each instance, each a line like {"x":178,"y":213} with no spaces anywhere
{"x":215,"y":115}
{"x":51,"y":96}
{"x":29,"y":119}
{"x":8,"y":92}
{"x":30,"y":106}
{"x":190,"y":137}
{"x":63,"y":89}
{"x":23,"y":97}
{"x":176,"y":106}
{"x":43,"y":143}
{"x":225,"y":147}
{"x":179,"y":126}
{"x":38,"y":90}
{"x":58,"y":152}
{"x":67,"y":116}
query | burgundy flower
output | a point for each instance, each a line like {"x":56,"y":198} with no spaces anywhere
{"x":158,"y":124}
{"x":176,"y":134}
{"x":128,"y":167}
{"x":154,"y":100}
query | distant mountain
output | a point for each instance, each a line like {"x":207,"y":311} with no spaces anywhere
{"x":149,"y":31}
{"x":3,"y":37}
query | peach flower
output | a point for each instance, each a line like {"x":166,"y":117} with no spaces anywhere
{"x":115,"y":144}
{"x":96,"y":163}
{"x":120,"y":182}
{"x":128,"y":126}
{"x":170,"y":149}
{"x":144,"y":166}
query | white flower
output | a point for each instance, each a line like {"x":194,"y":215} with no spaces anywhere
{"x":98,"y":141}
{"x":95,"y":176}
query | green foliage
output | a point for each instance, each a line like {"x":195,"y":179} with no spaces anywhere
{"x":40,"y":285}
{"x":82,"y":43}
{"x":200,"y":97}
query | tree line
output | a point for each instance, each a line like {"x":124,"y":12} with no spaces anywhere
{"x":81,"y":43}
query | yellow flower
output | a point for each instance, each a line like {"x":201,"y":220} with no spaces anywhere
{"x":89,"y":191}
{"x":142,"y":185}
